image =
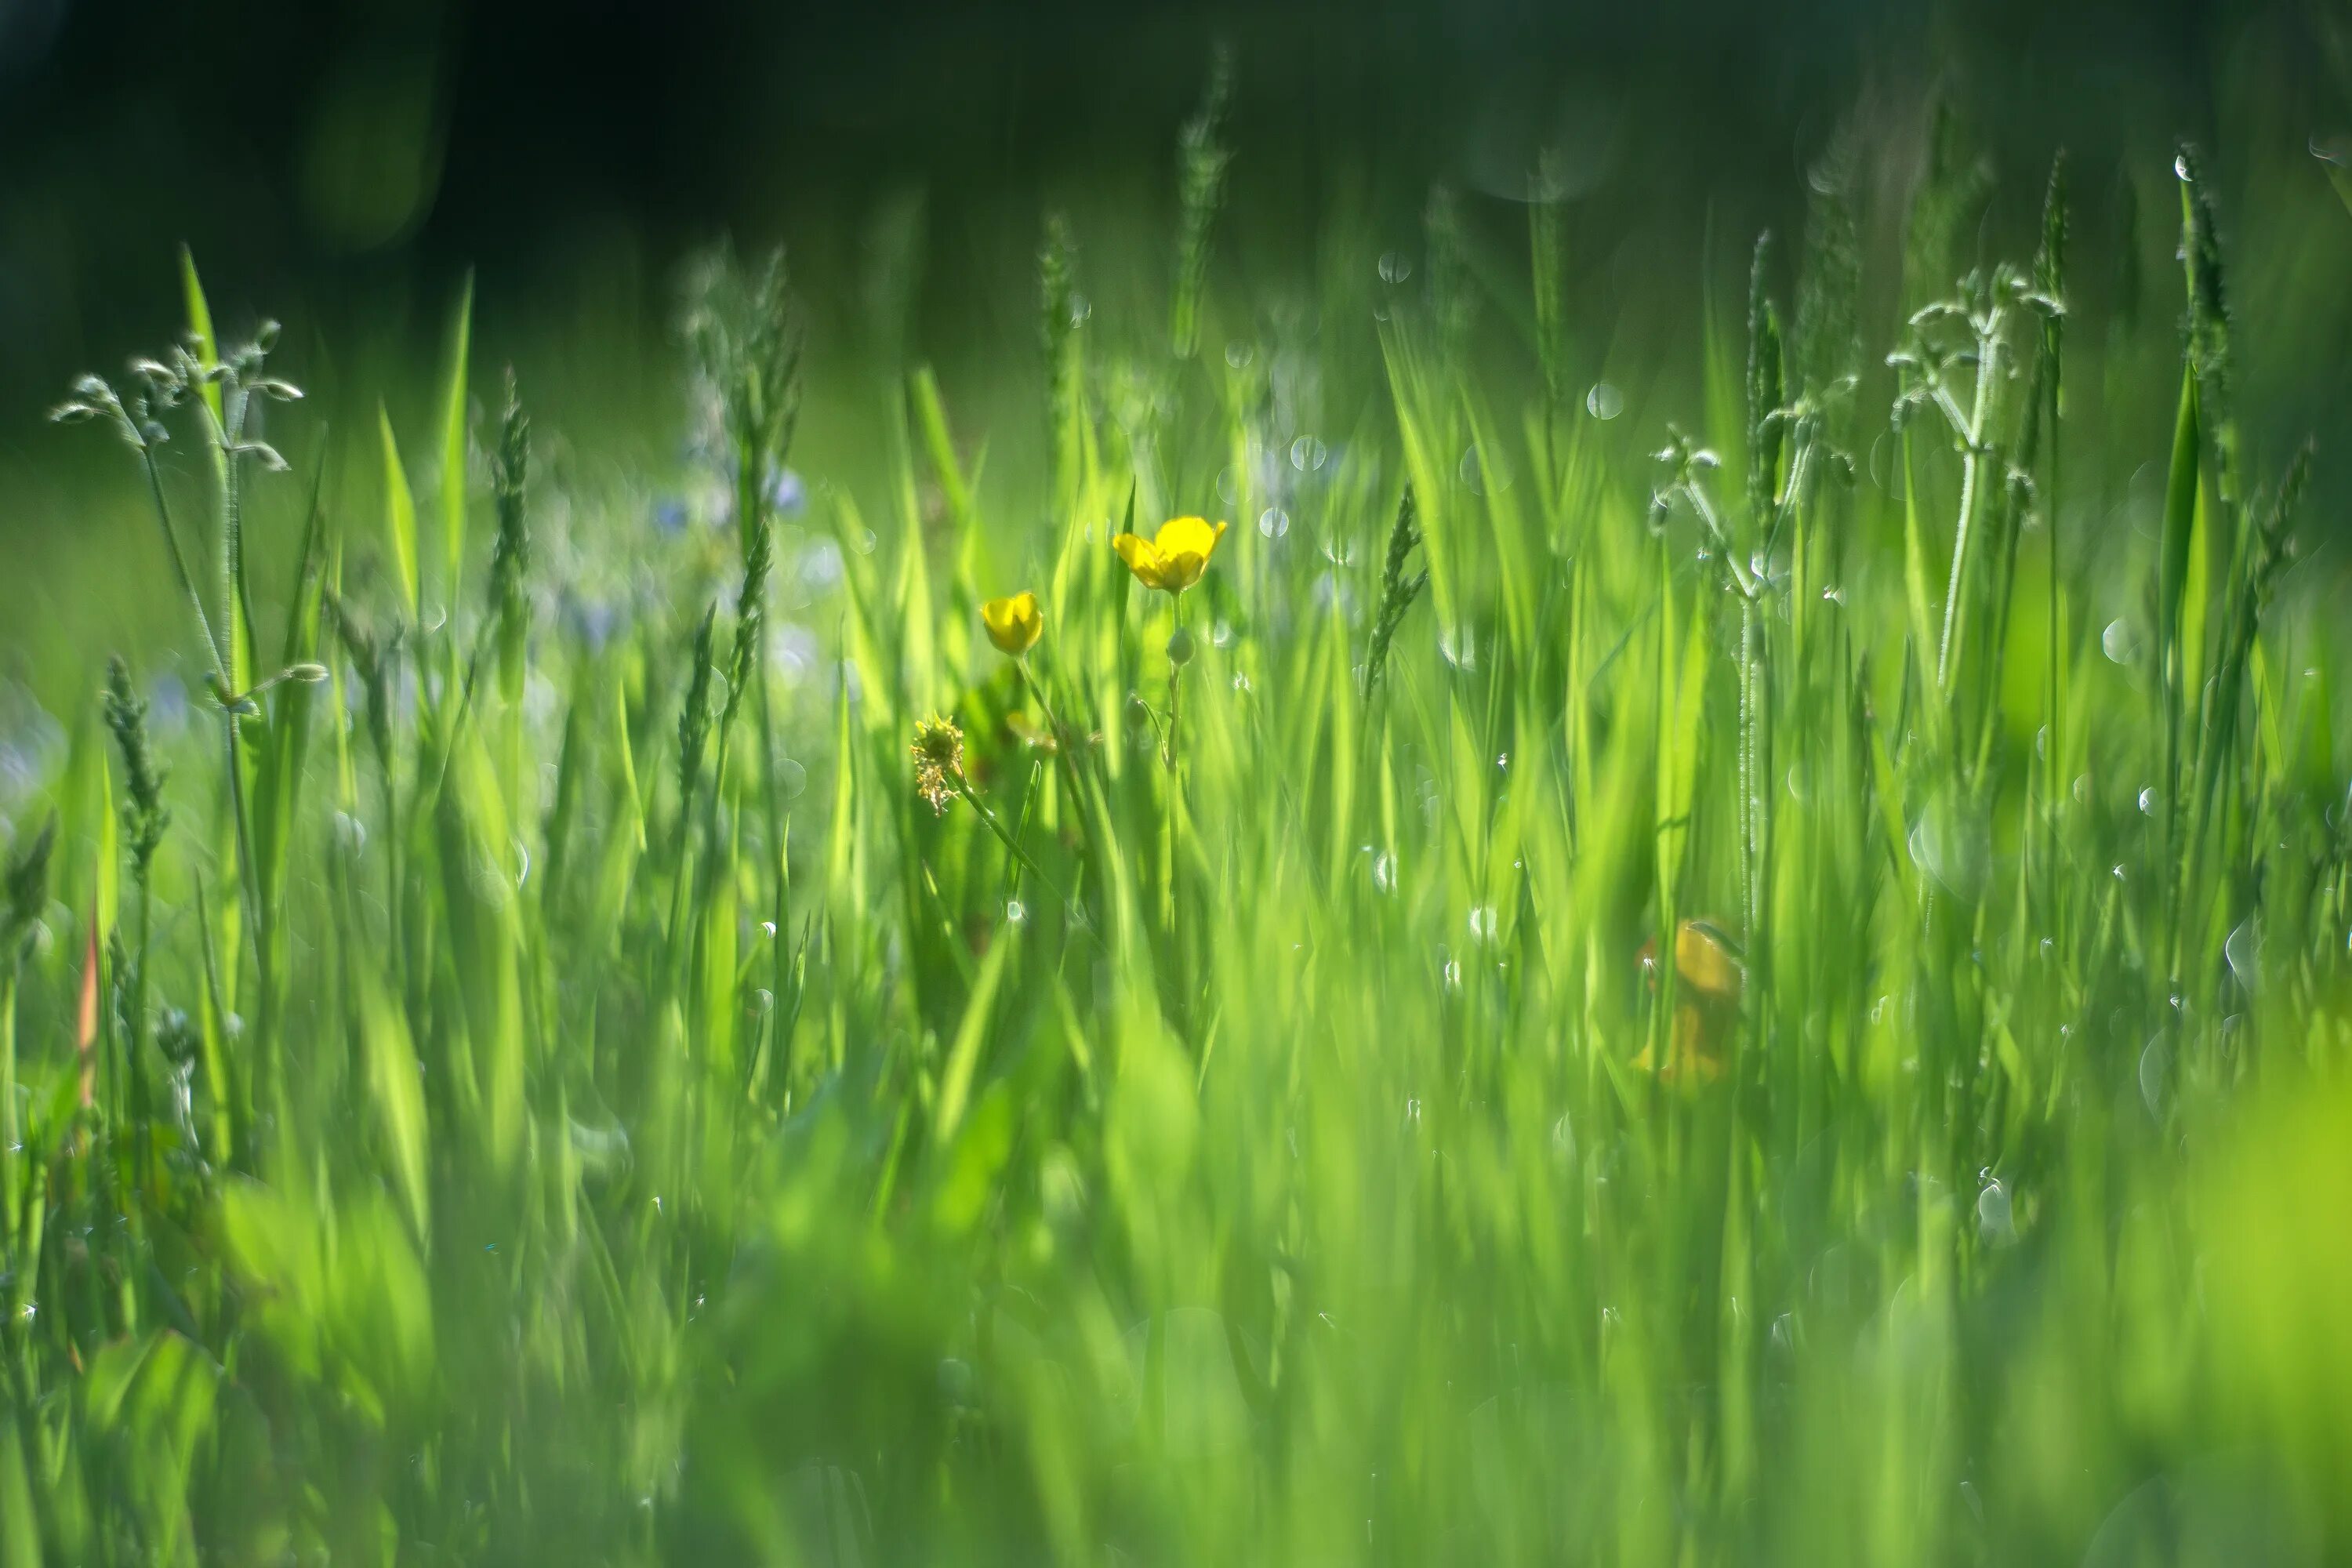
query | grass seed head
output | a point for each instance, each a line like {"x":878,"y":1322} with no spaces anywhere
{"x":939,"y":762}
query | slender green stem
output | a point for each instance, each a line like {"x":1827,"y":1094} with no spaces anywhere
{"x":1175,"y":710}
{"x":1037,"y":690}
{"x":141,"y":1032}
{"x":780,"y":884}
{"x":1972,"y":455}
{"x":257,"y":924}
{"x":187,"y":581}
{"x":995,"y":824}
{"x":11,"y":1155}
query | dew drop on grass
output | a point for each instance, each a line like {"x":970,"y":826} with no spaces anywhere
{"x":820,"y":566}
{"x":2147,"y":801}
{"x":1473,"y":471}
{"x":1395,"y":266}
{"x":1309,"y":453}
{"x":1016,"y":911}
{"x":1923,"y":850}
{"x":1273,"y":522}
{"x":2244,"y":952}
{"x":1228,"y":487}
{"x":791,"y":777}
{"x":2154,"y":1065}
{"x":1604,"y":401}
{"x":1384,"y":872}
{"x":2118,"y":641}
{"x":1481,"y":922}
{"x":1996,"y":1221}
{"x":1238,"y":354}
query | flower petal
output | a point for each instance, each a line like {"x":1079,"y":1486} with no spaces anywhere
{"x":1143,"y":558}
{"x":1705,"y":965}
{"x":1188,"y":534}
{"x":1014,"y":624}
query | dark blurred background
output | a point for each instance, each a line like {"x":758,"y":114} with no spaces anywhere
{"x":339,"y":166}
{"x":320,"y":149}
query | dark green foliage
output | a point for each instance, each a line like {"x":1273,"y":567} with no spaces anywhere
{"x":1766,"y":387}
{"x":1201,"y":158}
{"x":27,"y":886}
{"x":510,"y":550}
{"x":1829,"y":285}
{"x":1453,"y":299}
{"x":694,"y":713}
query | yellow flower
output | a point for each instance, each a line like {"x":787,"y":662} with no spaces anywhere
{"x":1708,"y":979}
{"x":1014,"y":625}
{"x":1174,"y":560}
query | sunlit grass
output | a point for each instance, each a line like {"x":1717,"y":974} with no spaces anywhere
{"x":1468,"y":978}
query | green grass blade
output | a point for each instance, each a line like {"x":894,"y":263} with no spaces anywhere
{"x":399,"y":517}
{"x":453,"y":447}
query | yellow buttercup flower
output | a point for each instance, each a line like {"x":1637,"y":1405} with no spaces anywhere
{"x":1174,"y":559}
{"x":1014,"y":625}
{"x":1708,"y":980}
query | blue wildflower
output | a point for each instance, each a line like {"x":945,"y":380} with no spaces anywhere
{"x":787,"y":493}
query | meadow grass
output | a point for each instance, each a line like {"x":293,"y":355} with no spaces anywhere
{"x":1579,"y":993}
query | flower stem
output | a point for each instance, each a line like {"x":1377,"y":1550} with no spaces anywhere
{"x":1037,"y":690}
{"x":996,"y":825}
{"x":1175,"y":703}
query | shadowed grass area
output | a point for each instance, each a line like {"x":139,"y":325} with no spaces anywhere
{"x":1516,"y":984}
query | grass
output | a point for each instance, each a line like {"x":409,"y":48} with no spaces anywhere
{"x":1780,"y":998}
